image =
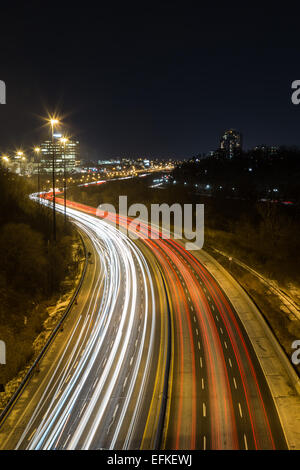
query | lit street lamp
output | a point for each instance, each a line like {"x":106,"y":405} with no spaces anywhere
{"x":53,"y":123}
{"x":63,"y":142}
{"x":20,"y":157}
{"x":37,"y":151}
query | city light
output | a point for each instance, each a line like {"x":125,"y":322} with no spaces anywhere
{"x":53,"y":122}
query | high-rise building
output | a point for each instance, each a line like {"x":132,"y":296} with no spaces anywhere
{"x":231,"y":143}
{"x":69,"y":151}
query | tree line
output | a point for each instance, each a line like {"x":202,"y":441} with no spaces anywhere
{"x":32,"y":268}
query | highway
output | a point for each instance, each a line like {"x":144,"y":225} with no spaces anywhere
{"x":100,"y":387}
{"x":218,"y":396}
{"x":105,"y":390}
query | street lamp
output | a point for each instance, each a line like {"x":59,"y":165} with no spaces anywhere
{"x":63,"y":142}
{"x":53,"y":122}
{"x":5,"y":160}
{"x":23,"y":159}
{"x":37,"y":151}
{"x":20,"y":157}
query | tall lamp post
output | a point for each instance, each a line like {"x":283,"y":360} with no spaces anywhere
{"x":5,"y":159}
{"x":24,"y":166}
{"x":37,"y":152}
{"x":20,"y":156}
{"x":53,"y":123}
{"x":63,"y":142}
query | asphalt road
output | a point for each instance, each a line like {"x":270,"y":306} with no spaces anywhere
{"x":218,"y":395}
{"x":105,"y":388}
{"x":98,"y":391}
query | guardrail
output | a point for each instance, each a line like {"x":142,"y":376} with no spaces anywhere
{"x":17,"y":393}
{"x":289,"y":303}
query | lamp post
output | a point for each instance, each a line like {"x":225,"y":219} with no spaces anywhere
{"x":37,"y":151}
{"x":20,"y":157}
{"x":5,"y":159}
{"x":53,"y":123}
{"x":23,"y":160}
{"x":63,"y":142}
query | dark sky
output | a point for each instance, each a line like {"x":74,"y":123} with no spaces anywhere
{"x":149,"y":78}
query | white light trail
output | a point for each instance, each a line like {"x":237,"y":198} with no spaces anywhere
{"x":88,"y":400}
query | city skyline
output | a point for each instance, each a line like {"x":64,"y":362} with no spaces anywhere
{"x":152,"y":82}
{"x":227,"y":141}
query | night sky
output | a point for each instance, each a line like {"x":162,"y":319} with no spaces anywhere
{"x":159,"y":79}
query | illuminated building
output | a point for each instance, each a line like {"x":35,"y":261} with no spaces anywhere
{"x":231,"y":143}
{"x":69,"y":151}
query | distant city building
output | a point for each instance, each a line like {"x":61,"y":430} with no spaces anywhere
{"x":266,"y":149}
{"x":231,"y":143}
{"x":69,"y":151}
{"x":109,"y":162}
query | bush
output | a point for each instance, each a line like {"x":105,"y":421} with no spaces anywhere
{"x":23,"y":257}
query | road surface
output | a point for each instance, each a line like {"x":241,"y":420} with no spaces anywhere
{"x":106,"y":391}
{"x":98,"y":391}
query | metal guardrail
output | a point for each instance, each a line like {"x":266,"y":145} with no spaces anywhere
{"x":289,"y":303}
{"x":27,"y":377}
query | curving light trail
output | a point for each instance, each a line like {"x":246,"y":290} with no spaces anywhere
{"x":219,"y":398}
{"x":110,"y":358}
{"x":100,"y":392}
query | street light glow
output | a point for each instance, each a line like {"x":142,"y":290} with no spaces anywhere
{"x":54,"y":122}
